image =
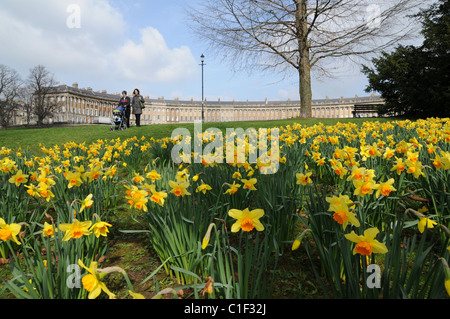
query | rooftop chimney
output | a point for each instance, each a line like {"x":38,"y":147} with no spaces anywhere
{"x":75,"y":85}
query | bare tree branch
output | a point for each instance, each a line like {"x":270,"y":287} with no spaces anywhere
{"x":42,"y":83}
{"x":301,"y":35}
{"x":9,"y":91}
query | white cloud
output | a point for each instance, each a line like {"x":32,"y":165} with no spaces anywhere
{"x":153,"y":61}
{"x":37,"y":33}
{"x":99,"y":51}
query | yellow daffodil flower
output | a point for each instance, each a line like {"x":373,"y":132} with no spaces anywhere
{"x":336,"y":200}
{"x":388,"y":153}
{"x":92,"y":281}
{"x":385,"y":188}
{"x":233,"y":188}
{"x":399,"y":166}
{"x":49,"y":230}
{"x":9,"y":231}
{"x":363,"y":188}
{"x":237,"y":175}
{"x":249,"y":183}
{"x":137,"y":197}
{"x":357,"y":173}
{"x":342,"y":213}
{"x":203,"y":188}
{"x":339,"y":170}
{"x":415,"y":168}
{"x":86,"y":203}
{"x":367,"y":244}
{"x":93,"y":174}
{"x":246,"y":220}
{"x":182,"y":176}
{"x":100,"y":229}
{"x":32,"y":190}
{"x":425,"y":222}
{"x":45,"y":192}
{"x":303,"y":179}
{"x":157,"y":197}
{"x":153,"y":175}
{"x":137,"y":178}
{"x":74,"y":179}
{"x":179,"y":188}
{"x":18,"y":178}
{"x":75,"y":230}
{"x":111,"y":171}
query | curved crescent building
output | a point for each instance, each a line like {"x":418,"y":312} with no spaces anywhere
{"x":85,"y":106}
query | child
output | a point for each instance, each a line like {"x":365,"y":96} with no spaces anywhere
{"x":118,"y":116}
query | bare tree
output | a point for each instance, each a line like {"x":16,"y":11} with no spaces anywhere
{"x":42,"y":83}
{"x":301,"y":35}
{"x":27,"y":98}
{"x":9,"y":91}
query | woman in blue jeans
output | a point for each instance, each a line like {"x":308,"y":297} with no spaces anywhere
{"x":136,"y":104}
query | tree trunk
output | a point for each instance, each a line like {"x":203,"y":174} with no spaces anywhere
{"x":40,"y":121}
{"x":305,"y":87}
{"x":304,"y":65}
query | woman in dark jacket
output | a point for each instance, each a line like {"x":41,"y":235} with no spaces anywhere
{"x":136,"y":105}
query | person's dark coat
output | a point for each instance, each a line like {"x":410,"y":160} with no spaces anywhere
{"x":125,"y":102}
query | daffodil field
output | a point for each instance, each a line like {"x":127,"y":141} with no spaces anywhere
{"x":369,"y":204}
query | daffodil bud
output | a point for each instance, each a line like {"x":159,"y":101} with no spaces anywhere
{"x":298,"y":240}
{"x":296,"y":244}
{"x":446,"y":275}
{"x":207,"y":237}
{"x":136,"y":295}
{"x":447,"y":286}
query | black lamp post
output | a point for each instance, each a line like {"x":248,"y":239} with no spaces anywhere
{"x":202,"y":58}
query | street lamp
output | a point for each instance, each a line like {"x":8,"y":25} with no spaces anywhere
{"x":202,"y":59}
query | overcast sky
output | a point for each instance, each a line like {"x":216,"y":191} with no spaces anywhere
{"x":117,"y":45}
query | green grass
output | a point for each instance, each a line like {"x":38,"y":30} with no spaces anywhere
{"x":29,"y":139}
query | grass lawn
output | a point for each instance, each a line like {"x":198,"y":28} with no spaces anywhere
{"x":30,"y":139}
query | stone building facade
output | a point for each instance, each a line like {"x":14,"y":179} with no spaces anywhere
{"x":85,"y":106}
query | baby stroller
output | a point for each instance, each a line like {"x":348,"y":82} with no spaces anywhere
{"x":119,"y":119}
